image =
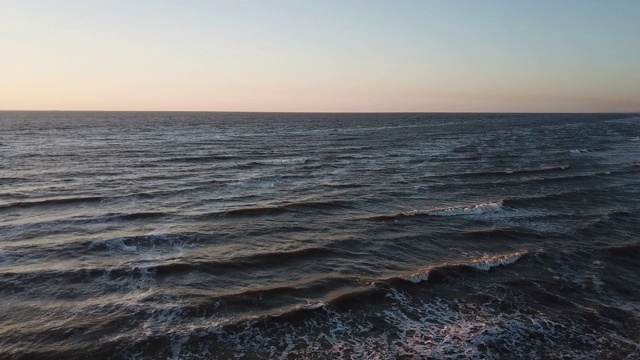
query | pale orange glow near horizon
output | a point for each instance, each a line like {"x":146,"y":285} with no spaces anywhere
{"x":325,"y":57}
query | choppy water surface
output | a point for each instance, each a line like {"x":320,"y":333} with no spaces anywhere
{"x":213,"y":235}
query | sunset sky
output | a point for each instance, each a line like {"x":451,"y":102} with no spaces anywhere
{"x":346,"y":55}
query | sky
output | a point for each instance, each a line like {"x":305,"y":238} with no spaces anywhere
{"x":321,"y":56}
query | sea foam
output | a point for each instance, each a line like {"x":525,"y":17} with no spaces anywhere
{"x":497,"y":260}
{"x":479,"y":209}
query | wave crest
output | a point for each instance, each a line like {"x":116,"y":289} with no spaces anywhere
{"x":478,"y":209}
{"x":439,"y":272}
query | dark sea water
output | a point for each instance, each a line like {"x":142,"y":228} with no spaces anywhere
{"x":295,"y":236}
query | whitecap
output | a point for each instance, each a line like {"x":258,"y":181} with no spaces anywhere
{"x":484,"y":263}
{"x":479,"y":209}
{"x":314,"y":305}
{"x":418,"y":277}
{"x":497,"y":260}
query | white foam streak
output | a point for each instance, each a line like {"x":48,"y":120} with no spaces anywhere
{"x":497,"y":260}
{"x":313,"y":306}
{"x":295,"y":161}
{"x":418,"y":277}
{"x":479,"y":209}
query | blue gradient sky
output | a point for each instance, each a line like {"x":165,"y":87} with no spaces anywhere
{"x":327,"y":55}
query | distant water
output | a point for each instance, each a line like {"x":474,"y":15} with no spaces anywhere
{"x":364,"y":236}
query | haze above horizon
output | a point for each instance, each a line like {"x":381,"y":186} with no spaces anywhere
{"x":321,"y":56}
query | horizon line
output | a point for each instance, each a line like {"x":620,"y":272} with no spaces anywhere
{"x":336,"y":112}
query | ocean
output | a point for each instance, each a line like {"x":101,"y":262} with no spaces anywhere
{"x":133,"y":235}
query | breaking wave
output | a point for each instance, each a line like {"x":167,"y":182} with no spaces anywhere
{"x":439,"y":272}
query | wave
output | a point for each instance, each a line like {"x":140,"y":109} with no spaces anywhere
{"x":555,"y":178}
{"x":246,"y":262}
{"x":132,"y":243}
{"x":281,"y":208}
{"x":260,"y":260}
{"x":6,"y":260}
{"x":138,"y":215}
{"x":628,"y":250}
{"x":507,"y":172}
{"x":478,"y":209}
{"x":174,"y":267}
{"x":286,"y":297}
{"x":11,"y":178}
{"x":634,"y":120}
{"x":576,"y":194}
{"x":607,"y":223}
{"x":114,"y":245}
{"x":559,"y":179}
{"x":276,"y":162}
{"x":198,"y":159}
{"x":578,"y":151}
{"x":440,"y":272}
{"x":357,"y":293}
{"x":59,"y":225}
{"x":345,"y":185}
{"x":134,"y":273}
{"x":52,"y":202}
{"x":352,"y":157}
{"x":503,"y":234}
{"x":72,"y":200}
